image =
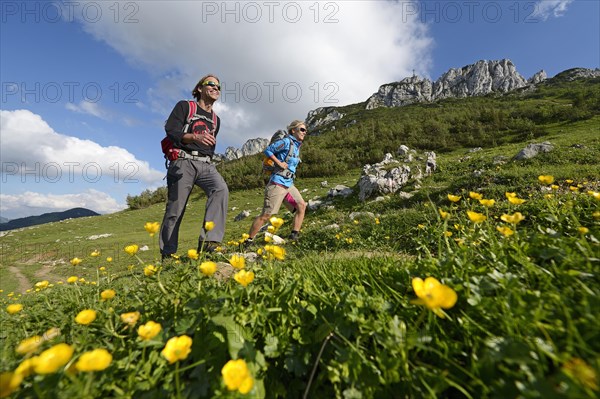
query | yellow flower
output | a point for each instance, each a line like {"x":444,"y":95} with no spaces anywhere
{"x":546,"y":179}
{"x":237,"y":261}
{"x":51,"y":333}
{"x":448,"y":233}
{"x":243,"y":277}
{"x":276,"y":222}
{"x":434,"y":295}
{"x":132,"y":249}
{"x":245,"y":236}
{"x":554,"y":187}
{"x":26,"y":368}
{"x":271,"y":229}
{"x":476,"y":217}
{"x":275,"y":251}
{"x":349,"y":240}
{"x":95,"y":253}
{"x":150,"y":270}
{"x":568,"y":181}
{"x":453,"y":198}
{"x":574,"y":188}
{"x":72,"y":279}
{"x":192,"y":254}
{"x":510,"y":195}
{"x":177,"y":348}
{"x":75,"y":261}
{"x":107,"y":294}
{"x":152,"y":228}
{"x":505,"y":231}
{"x":515,"y":200}
{"x":596,"y":215}
{"x":149,"y":330}
{"x":85,"y":317}
{"x":475,"y":196}
{"x":50,"y":360}
{"x":377,"y":221}
{"x":444,"y":215}
{"x":9,"y":382}
{"x":487,"y":202}
{"x":208,"y":226}
{"x":208,"y":268}
{"x":421,"y":226}
{"x":130,"y":318}
{"x":580,"y":371}
{"x":109,"y":259}
{"x":583,"y":230}
{"x":355,"y":221}
{"x":513,"y":219}
{"x":236,"y":376}
{"x":29,"y":345}
{"x":95,"y":360}
{"x":14,"y":308}
{"x":594,"y":194}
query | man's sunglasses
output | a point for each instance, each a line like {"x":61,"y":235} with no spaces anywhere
{"x":212,"y":84}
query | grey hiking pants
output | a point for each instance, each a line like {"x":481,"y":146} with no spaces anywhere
{"x":181,"y":177}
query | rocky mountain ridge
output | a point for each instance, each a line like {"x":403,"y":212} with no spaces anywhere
{"x":478,"y":79}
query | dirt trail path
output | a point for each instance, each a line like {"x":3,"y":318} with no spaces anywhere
{"x":24,"y":283}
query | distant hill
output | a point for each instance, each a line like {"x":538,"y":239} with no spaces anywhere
{"x":3,"y":220}
{"x":46,"y":218}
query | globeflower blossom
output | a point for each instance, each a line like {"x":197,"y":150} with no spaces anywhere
{"x":434,"y":295}
{"x":85,"y":317}
{"x":546,"y":179}
{"x":243,"y":277}
{"x":51,"y":360}
{"x":95,"y":360}
{"x":237,"y":261}
{"x":75,"y":261}
{"x":177,"y":348}
{"x":476,"y":217}
{"x":475,"y":196}
{"x":14,"y":308}
{"x":208,"y":226}
{"x":453,"y":198}
{"x":487,"y":202}
{"x":9,"y":382}
{"x":107,"y":294}
{"x":193,"y":254}
{"x":237,"y":377}
{"x":150,"y":270}
{"x":515,"y":218}
{"x":132,"y":249}
{"x":505,"y":231}
{"x":72,"y":279}
{"x":152,"y":228}
{"x":444,"y":215}
{"x":276,"y":222}
{"x":275,"y":251}
{"x":29,"y":345}
{"x":149,"y":330}
{"x":130,"y":318}
{"x":208,"y":268}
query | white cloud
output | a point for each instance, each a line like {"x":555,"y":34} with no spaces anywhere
{"x":546,"y":8}
{"x":35,"y":203}
{"x":30,"y":146}
{"x":276,"y":60}
{"x":90,"y":108}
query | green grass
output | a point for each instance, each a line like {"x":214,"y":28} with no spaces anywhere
{"x":338,"y":317}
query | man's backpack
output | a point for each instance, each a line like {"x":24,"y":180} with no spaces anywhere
{"x":270,"y":167}
{"x":193,"y":123}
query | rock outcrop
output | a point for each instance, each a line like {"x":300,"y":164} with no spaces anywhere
{"x":478,"y":79}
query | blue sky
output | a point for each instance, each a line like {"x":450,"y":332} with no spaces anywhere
{"x":86,"y":86}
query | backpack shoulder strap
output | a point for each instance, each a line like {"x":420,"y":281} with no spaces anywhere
{"x":291,"y":149}
{"x":191,"y":110}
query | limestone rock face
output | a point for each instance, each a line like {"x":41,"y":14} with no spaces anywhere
{"x":481,"y":78}
{"x":250,"y":147}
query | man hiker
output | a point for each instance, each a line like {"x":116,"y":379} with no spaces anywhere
{"x":285,"y":154}
{"x":193,"y":127}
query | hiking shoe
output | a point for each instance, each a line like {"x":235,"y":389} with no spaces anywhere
{"x":294,"y":236}
{"x":249,"y":243}
{"x":208,"y":247}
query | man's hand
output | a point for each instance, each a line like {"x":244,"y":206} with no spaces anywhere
{"x":205,"y":139}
